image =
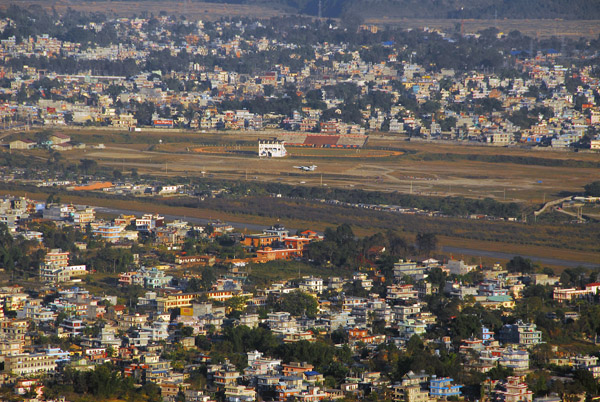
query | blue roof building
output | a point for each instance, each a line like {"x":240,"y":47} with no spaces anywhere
{"x":487,"y":335}
{"x":443,"y":387}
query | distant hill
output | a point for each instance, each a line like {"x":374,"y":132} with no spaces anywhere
{"x":477,"y":9}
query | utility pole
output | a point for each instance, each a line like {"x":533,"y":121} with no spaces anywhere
{"x":462,"y":22}
{"x":495,"y":18}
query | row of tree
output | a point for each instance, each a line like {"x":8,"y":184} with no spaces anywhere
{"x":103,"y":383}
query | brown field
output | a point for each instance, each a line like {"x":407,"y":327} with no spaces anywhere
{"x":192,"y":10}
{"x":297,"y":152}
{"x":370,"y":169}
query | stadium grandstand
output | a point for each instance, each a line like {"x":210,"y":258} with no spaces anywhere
{"x":324,"y":140}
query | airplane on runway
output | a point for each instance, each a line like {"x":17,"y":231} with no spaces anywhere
{"x":310,"y":168}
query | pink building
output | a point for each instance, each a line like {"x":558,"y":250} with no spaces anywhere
{"x":514,"y":391}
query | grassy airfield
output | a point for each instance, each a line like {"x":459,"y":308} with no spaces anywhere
{"x":387,"y":163}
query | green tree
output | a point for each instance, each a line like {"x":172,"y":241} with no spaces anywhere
{"x":111,"y":260}
{"x":298,"y":303}
{"x":426,"y":243}
{"x":187,"y":331}
{"x":88,"y":166}
{"x":236,"y":303}
{"x":520,"y":264}
{"x":465,"y":326}
{"x":592,"y":189}
{"x":117,"y":175}
{"x":42,"y":137}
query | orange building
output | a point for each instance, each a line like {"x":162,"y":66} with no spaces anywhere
{"x":296,"y":242}
{"x":310,"y":234}
{"x":94,"y":186}
{"x":270,"y":254}
{"x":260,"y":240}
{"x":295,"y":368}
{"x":220,"y":295}
{"x":357,"y":333}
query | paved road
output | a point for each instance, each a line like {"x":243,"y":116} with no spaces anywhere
{"x":448,"y":249}
{"x":499,"y":255}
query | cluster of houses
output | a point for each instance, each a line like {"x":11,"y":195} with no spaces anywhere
{"x":275,"y":243}
{"x":573,"y":111}
{"x":133,"y":333}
